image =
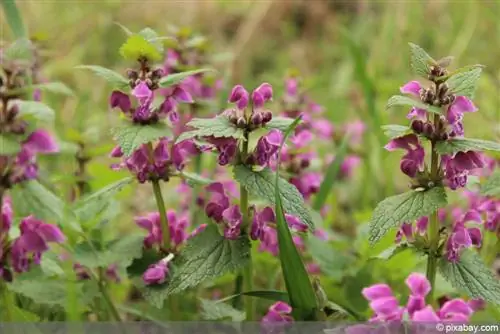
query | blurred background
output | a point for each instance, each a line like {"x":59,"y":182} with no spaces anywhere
{"x":352,"y":55}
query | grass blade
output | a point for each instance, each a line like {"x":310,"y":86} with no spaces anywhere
{"x":331,"y":175}
{"x":298,"y":285}
{"x":13,"y":17}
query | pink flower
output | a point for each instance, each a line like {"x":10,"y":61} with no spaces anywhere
{"x":413,"y":160}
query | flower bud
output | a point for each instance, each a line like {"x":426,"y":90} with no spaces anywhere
{"x":428,"y":96}
{"x":304,"y":163}
{"x":444,"y":136}
{"x":267,"y":116}
{"x":241,"y":123}
{"x":158,"y":73}
{"x":132,"y":75}
{"x":417,"y":126}
{"x":428,"y":129}
{"x":256,"y":119}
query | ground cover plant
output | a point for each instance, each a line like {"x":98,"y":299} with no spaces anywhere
{"x":165,"y":180}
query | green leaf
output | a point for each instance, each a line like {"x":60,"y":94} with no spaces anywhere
{"x":420,"y":61}
{"x":37,"y":110}
{"x":492,"y":186}
{"x":53,"y":87}
{"x":455,"y":145}
{"x":471,"y":276}
{"x":261,"y":184}
{"x":9,"y":145}
{"x":399,"y":100}
{"x":176,"y":78}
{"x":465,"y":83}
{"x":32,"y":198}
{"x":218,"y":127}
{"x":13,"y":17}
{"x":94,"y":204}
{"x":193,"y":179}
{"x":331,"y":175}
{"x":114,"y":78}
{"x":214,"y":310}
{"x":122,"y":251}
{"x":131,"y":136}
{"x":395,"y":130}
{"x":45,"y":291}
{"x":139,"y":265}
{"x":298,"y":285}
{"x":207,"y":255}
{"x":137,"y":47}
{"x":406,"y":207}
{"x":280,"y":123}
{"x":20,"y":50}
{"x":331,"y":262}
{"x":391,"y":251}
{"x":273,"y":295}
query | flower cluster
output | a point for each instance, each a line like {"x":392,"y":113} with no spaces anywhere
{"x":157,"y":163}
{"x":28,"y":248}
{"x":19,"y":163}
{"x":178,"y":226}
{"x":453,"y":168}
{"x":386,"y":307}
{"x":278,"y":312}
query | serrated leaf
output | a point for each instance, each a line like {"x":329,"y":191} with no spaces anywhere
{"x":94,"y":204}
{"x":465,"y":83}
{"x":121,"y":251}
{"x":36,"y":110}
{"x":114,"y":78}
{"x":32,"y":198}
{"x":49,"y":292}
{"x":9,"y":145}
{"x":399,"y":100}
{"x":492,"y":186}
{"x":261,"y":184}
{"x":53,"y":87}
{"x":391,"y":251}
{"x":20,"y":50}
{"x":152,"y":37}
{"x":137,"y":47}
{"x":214,"y":310}
{"x":176,"y":78}
{"x":131,"y":136}
{"x":218,"y":127}
{"x":206,"y":256}
{"x":395,"y":130}
{"x":471,"y":276}
{"x":299,"y":287}
{"x":420,"y":61}
{"x":331,"y":174}
{"x":193,"y":179}
{"x":280,"y":123}
{"x":395,"y":210}
{"x":455,"y":145}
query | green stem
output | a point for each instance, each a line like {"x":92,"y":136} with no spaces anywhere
{"x":165,"y":230}
{"x":107,"y":298}
{"x":433,"y":224}
{"x":6,"y":302}
{"x":248,"y":270}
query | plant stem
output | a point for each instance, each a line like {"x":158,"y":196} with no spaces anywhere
{"x":433,"y":224}
{"x":248,"y":270}
{"x":4,"y":292}
{"x":165,"y":230}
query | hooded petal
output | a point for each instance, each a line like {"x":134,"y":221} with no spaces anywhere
{"x":120,"y":100}
{"x":412,"y":87}
{"x":418,"y":284}
{"x":426,"y":314}
{"x":40,"y":141}
{"x":377,"y":291}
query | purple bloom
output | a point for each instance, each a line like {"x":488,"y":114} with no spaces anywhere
{"x":454,"y":115}
{"x":7,"y":216}
{"x":414,"y":88}
{"x":218,"y":201}
{"x":260,"y":219}
{"x":142,"y":93}
{"x":267,"y":147}
{"x":240,"y":96}
{"x":457,"y":168}
{"x":464,"y":237}
{"x":227,"y":148}
{"x":232,"y":218}
{"x":277,"y":313}
{"x":413,"y":161}
{"x":120,"y":100}
{"x":156,"y":273}
{"x":34,"y":239}
{"x":355,"y":130}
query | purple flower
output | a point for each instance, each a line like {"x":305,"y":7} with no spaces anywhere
{"x":464,"y":237}
{"x":120,"y":100}
{"x":455,"y":112}
{"x":457,"y":168}
{"x":232,"y":219}
{"x":260,"y":219}
{"x":151,"y":223}
{"x":267,"y":147}
{"x":34,"y":239}
{"x":227,"y":148}
{"x":413,"y":161}
{"x":7,"y":216}
{"x":142,"y":93}
{"x":414,"y":88}
{"x":307,"y":183}
{"x":240,"y":96}
{"x":218,"y":201}
{"x":278,"y":312}
{"x":156,"y":273}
